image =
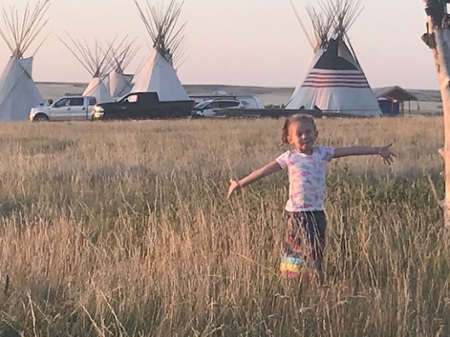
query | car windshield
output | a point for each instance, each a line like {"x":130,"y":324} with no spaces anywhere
{"x":202,"y":104}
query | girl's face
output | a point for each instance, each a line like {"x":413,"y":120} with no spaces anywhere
{"x":302,"y":135}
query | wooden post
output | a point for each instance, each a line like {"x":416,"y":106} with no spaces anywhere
{"x":437,"y":38}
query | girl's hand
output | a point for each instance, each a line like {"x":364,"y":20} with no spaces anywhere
{"x":234,"y":185}
{"x":386,"y":153}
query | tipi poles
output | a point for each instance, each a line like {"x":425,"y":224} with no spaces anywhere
{"x":437,"y":38}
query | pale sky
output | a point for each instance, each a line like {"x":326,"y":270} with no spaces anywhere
{"x":241,"y":42}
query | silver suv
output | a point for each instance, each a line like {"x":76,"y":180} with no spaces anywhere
{"x":211,"y":108}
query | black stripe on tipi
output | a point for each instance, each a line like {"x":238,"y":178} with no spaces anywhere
{"x":334,"y":57}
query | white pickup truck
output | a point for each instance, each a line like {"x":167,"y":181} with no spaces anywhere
{"x":67,"y":108}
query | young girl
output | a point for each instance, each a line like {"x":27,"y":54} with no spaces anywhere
{"x":304,"y":242}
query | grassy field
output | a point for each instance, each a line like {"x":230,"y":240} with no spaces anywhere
{"x":122,"y":229}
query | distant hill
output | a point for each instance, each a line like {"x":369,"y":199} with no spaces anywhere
{"x":269,"y":95}
{"x":274,"y":96}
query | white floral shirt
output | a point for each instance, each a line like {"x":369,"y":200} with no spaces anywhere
{"x":307,"y":178}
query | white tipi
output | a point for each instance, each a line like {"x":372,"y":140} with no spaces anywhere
{"x":98,"y":63}
{"x":120,"y":83}
{"x":158,"y":74}
{"x":18,"y":92}
{"x":335,"y":81}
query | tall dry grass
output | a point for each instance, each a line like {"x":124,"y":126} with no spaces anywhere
{"x":122,"y":229}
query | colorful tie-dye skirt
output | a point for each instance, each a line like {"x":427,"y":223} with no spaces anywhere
{"x":303,"y":246}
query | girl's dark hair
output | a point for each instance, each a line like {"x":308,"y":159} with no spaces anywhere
{"x":297,"y":118}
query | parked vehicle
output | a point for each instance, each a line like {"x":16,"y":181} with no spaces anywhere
{"x":211,"y":108}
{"x":142,"y":105}
{"x":247,"y":101}
{"x":67,"y":108}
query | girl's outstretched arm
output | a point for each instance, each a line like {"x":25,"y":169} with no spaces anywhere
{"x":384,"y":151}
{"x":252,"y":177}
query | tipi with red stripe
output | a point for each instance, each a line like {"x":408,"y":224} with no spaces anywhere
{"x":335,"y":81}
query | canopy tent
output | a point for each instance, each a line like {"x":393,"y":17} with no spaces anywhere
{"x":394,"y":93}
{"x":391,"y":99}
{"x":158,"y":74}
{"x":18,"y":92}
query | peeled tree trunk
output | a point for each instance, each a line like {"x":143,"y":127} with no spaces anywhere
{"x":437,"y":38}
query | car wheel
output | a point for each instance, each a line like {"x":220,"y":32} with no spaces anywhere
{"x":40,"y":118}
{"x":176,"y":114}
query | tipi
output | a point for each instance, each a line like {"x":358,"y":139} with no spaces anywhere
{"x":98,"y":63}
{"x":18,"y":92}
{"x":158,"y":74}
{"x":120,"y":83}
{"x":335,"y":81}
